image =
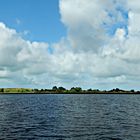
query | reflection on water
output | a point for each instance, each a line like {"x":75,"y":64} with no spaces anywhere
{"x":70,"y":117}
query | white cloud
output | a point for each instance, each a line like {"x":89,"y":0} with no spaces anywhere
{"x":80,"y":17}
{"x":18,"y":56}
{"x":110,"y":56}
{"x":86,"y":21}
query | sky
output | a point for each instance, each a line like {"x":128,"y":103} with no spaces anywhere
{"x":39,"y":20}
{"x":70,"y":43}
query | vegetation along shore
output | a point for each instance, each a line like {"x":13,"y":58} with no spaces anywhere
{"x":62,"y":90}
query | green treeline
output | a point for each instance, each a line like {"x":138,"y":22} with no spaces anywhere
{"x":62,"y":90}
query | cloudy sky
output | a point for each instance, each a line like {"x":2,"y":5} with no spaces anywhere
{"x":87,"y":43}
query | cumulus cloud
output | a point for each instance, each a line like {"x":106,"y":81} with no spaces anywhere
{"x":79,"y":17}
{"x":110,"y":38}
{"x":20,"y":57}
{"x":89,"y":22}
{"x":101,"y":49}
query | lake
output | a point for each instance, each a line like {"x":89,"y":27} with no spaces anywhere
{"x":70,"y":117}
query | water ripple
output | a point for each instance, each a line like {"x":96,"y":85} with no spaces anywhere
{"x":70,"y":117}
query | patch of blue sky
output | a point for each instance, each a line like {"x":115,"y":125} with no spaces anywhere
{"x":41,"y":18}
{"x":111,"y":29}
{"x":50,"y":50}
{"x":123,"y":11}
{"x":122,"y":23}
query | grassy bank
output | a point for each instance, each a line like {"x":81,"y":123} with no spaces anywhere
{"x":16,"y":90}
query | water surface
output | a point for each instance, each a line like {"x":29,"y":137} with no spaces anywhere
{"x":70,"y":117}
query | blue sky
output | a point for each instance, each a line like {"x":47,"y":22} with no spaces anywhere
{"x":40,"y":18}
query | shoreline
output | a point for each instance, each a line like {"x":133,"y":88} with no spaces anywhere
{"x":61,"y":90}
{"x":74,"y":93}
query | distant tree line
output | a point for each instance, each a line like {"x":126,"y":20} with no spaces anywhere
{"x":62,"y":90}
{"x":56,"y":89}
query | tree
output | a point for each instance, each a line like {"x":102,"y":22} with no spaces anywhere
{"x":1,"y":90}
{"x":61,"y":88}
{"x":36,"y":90}
{"x":76,"y":89}
{"x":54,"y":88}
{"x":89,"y":89}
{"x":117,"y":89}
{"x":132,"y":90}
{"x":42,"y":90}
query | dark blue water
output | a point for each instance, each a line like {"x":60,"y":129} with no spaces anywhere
{"x":70,"y":117}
